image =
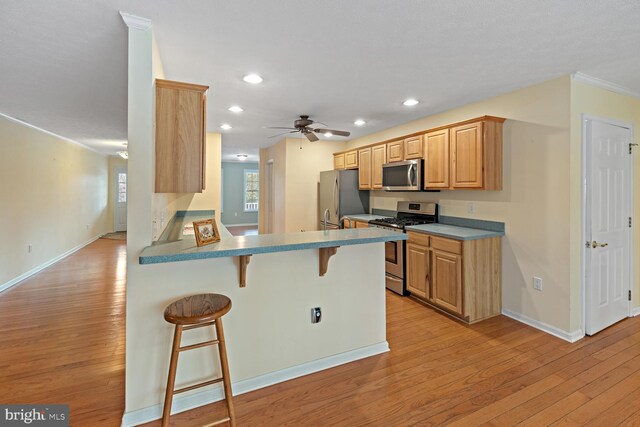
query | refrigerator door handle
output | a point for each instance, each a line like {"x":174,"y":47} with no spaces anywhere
{"x":335,"y":202}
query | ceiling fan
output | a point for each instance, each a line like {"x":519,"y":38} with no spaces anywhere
{"x":303,"y":125}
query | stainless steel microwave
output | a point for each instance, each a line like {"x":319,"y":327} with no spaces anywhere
{"x":402,"y":176}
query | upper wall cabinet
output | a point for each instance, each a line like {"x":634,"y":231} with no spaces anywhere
{"x":364,"y":170}
{"x":378,"y":158}
{"x":351,"y":159}
{"x":436,"y":159}
{"x":413,"y":148}
{"x":476,"y":155}
{"x":338,"y":161}
{"x":180,"y":137}
{"x":395,"y":151}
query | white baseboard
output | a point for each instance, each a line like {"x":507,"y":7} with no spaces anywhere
{"x":181,"y":404}
{"x":635,"y":311}
{"x":567,"y":336}
{"x":15,"y":281}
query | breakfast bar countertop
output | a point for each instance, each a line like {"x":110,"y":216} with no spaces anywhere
{"x":186,"y":249}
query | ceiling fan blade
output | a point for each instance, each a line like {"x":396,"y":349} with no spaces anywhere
{"x":277,"y":127}
{"x":334,"y":132}
{"x":311,"y":136}
{"x":284,"y":133}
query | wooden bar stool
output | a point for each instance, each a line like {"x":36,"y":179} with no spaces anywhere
{"x":193,"y":312}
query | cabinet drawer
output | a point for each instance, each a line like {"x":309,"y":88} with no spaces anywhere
{"x":418,"y":238}
{"x":447,"y":245}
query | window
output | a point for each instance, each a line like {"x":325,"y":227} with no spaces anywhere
{"x":251,"y":190}
{"x":122,"y":187}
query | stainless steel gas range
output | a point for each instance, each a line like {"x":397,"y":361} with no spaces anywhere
{"x":409,"y":213}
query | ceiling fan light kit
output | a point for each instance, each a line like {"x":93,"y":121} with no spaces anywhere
{"x":303,"y":125}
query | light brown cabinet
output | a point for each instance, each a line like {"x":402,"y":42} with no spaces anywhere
{"x":447,"y":290}
{"x":379,"y":156}
{"x":413,"y":148}
{"x":338,"y":161}
{"x":351,"y":160}
{"x":476,"y":155}
{"x":395,"y":151}
{"x":462,"y":278}
{"x":180,"y":137}
{"x":417,"y":265}
{"x":436,"y":159}
{"x":360,"y":224}
{"x":364,"y":169}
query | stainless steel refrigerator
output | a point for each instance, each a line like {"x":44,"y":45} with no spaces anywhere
{"x":339,"y":196}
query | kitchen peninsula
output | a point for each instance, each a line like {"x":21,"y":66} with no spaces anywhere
{"x":270,"y":337}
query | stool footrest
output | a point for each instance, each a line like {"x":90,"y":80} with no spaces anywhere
{"x":215,"y":423}
{"x":186,"y":328}
{"x":195,"y":386}
{"x":202,"y":344}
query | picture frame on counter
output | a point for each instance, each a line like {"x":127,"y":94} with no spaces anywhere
{"x":206,"y":232}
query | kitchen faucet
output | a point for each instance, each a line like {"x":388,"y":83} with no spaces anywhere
{"x":325,"y":218}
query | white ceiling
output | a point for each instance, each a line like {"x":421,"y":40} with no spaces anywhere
{"x":63,"y":63}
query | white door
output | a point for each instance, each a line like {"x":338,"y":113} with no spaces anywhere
{"x":608,"y":211}
{"x":120,"y":210}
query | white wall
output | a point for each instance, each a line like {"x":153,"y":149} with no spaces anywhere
{"x":534,"y":203}
{"x":54,"y":197}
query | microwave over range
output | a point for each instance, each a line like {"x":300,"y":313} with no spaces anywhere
{"x":402,"y":176}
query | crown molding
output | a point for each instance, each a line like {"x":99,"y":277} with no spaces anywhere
{"x":64,"y":138}
{"x":137,"y":22}
{"x":603,"y":84}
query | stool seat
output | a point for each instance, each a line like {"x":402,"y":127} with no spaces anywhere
{"x":196,"y":309}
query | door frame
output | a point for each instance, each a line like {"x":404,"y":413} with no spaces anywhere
{"x":586,"y":214}
{"x":117,"y":169}
{"x":269,"y":196}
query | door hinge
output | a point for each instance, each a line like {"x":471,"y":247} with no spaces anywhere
{"x":629,"y":222}
{"x":631,"y":145}
{"x":629,"y":294}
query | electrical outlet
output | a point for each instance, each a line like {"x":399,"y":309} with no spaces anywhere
{"x":316,"y":315}
{"x":30,"y":248}
{"x":471,"y":207}
{"x":537,"y":283}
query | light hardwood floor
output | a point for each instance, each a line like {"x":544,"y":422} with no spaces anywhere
{"x":63,"y":342}
{"x":63,"y":336}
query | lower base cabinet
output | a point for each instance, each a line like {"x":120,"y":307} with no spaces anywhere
{"x":462,"y":278}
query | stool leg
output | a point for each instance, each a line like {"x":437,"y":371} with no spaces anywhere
{"x":224,"y":364}
{"x":171,"y":381}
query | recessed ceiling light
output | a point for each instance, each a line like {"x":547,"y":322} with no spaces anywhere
{"x":242,"y":157}
{"x":252,"y":78}
{"x":235,"y":109}
{"x":410,"y":102}
{"x":328,"y":134}
{"x":225,"y":126}
{"x":359,"y":122}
